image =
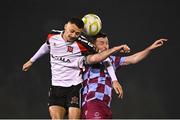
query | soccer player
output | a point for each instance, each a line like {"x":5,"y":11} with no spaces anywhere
{"x":68,"y":49}
{"x":97,"y":84}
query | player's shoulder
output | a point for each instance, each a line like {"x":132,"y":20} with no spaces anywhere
{"x":84,"y":40}
{"x":53,"y":33}
{"x":114,"y":58}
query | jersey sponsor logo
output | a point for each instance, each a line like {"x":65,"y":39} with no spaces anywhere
{"x":69,"y":49}
{"x":59,"y":58}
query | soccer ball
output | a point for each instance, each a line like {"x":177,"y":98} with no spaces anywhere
{"x":92,"y":24}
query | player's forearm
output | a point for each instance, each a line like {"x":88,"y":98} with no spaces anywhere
{"x":143,"y":54}
{"x":95,"y":58}
{"x":137,"y":57}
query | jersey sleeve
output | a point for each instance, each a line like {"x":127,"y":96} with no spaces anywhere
{"x":44,"y":49}
{"x":51,"y":33}
{"x":117,"y":61}
{"x":110,"y":69}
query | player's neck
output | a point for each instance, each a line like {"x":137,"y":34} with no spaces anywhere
{"x":64,"y":37}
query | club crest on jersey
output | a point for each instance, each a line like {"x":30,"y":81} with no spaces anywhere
{"x":69,"y":49}
{"x":74,"y":100}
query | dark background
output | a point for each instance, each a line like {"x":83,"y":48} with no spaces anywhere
{"x":151,"y":87}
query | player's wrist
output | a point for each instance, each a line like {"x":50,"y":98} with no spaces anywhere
{"x":114,"y":80}
{"x":116,"y":48}
{"x":149,"y":48}
{"x":30,"y":61}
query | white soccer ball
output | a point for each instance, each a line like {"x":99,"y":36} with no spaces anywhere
{"x":92,"y":24}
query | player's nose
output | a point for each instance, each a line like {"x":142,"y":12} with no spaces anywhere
{"x":74,"y":35}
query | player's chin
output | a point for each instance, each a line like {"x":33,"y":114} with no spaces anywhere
{"x":71,"y":39}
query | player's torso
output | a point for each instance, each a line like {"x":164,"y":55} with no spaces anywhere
{"x":97,"y":84}
{"x":65,"y":58}
{"x":62,"y":51}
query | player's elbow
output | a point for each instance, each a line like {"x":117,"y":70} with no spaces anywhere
{"x":91,"y":59}
{"x":131,"y":60}
{"x":134,"y":61}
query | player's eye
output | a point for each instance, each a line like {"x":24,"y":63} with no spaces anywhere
{"x":77,"y":33}
{"x":102,"y":43}
{"x":71,"y":31}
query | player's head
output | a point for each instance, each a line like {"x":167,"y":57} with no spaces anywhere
{"x":101,"y":41}
{"x":73,"y":29}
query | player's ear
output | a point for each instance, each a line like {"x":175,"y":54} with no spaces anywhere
{"x":65,"y":26}
{"x":97,"y":50}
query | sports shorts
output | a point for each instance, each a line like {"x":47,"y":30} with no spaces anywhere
{"x":65,"y":96}
{"x":96,"y":109}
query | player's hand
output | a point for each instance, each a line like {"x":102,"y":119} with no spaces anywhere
{"x":157,"y":43}
{"x":27,"y":65}
{"x":123,"y":48}
{"x":118,"y":88}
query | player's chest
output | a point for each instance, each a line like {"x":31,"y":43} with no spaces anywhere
{"x":61,"y":47}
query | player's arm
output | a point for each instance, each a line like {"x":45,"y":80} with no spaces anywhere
{"x":115,"y":83}
{"x":118,"y":88}
{"x":110,"y":69}
{"x":137,"y":57}
{"x":44,"y":49}
{"x":98,"y":57}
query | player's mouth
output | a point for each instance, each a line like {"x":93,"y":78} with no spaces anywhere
{"x":71,"y":39}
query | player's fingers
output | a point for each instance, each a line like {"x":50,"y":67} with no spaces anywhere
{"x":116,"y":90}
{"x":120,"y":94}
{"x":25,"y":68}
{"x":164,"y":40}
{"x":121,"y":51}
{"x":158,"y":43}
{"x":161,"y":41}
{"x":127,"y":49}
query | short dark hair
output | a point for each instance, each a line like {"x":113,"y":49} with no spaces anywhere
{"x":77,"y":21}
{"x":100,"y":34}
{"x":92,"y":39}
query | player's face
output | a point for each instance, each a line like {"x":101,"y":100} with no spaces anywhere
{"x":71,"y":32}
{"x":102,"y":44}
